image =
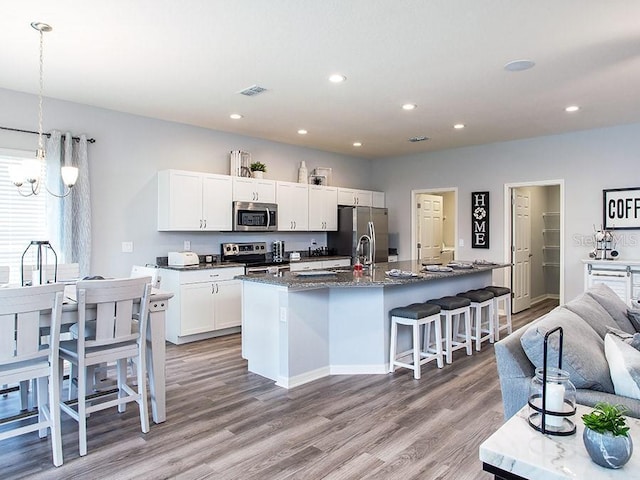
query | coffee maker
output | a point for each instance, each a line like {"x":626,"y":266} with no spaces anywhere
{"x":277,"y":251}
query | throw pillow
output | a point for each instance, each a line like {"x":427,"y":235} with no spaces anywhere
{"x":633,"y":340}
{"x":583,"y":349}
{"x":593,"y":313}
{"x":624,"y":366}
{"x":613,"y":304}
{"x":634,"y":317}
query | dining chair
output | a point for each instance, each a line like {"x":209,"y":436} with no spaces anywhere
{"x":153,"y":272}
{"x":111,"y":337}
{"x":66,"y":272}
{"x":24,"y":356}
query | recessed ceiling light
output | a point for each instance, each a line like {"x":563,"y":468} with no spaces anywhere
{"x":572,"y":108}
{"x":235,"y":116}
{"x":302,"y":131}
{"x":337,"y":78}
{"x":459,"y":126}
{"x":409,"y":106}
{"x":519,"y":65}
{"x":357,"y":144}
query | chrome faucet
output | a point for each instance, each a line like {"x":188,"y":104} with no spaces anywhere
{"x":367,"y":254}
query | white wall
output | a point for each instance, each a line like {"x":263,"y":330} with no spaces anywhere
{"x":128,"y":152}
{"x":588,"y":161}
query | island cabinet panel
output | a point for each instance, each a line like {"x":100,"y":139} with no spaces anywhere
{"x":323,"y":208}
{"x":192,"y":201}
{"x":293,"y":206}
{"x":208,"y":302}
{"x":254,"y":190}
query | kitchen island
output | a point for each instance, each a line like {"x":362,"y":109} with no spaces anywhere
{"x":298,"y":327}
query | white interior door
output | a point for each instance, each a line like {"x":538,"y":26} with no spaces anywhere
{"x":430,"y":223}
{"x":521,"y":249}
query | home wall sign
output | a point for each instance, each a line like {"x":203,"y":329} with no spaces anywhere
{"x":621,"y":208}
{"x":479,"y":219}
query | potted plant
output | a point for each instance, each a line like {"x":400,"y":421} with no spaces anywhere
{"x":258,"y":169}
{"x":606,"y":435}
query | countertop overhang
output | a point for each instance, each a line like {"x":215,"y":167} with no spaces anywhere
{"x":344,"y":277}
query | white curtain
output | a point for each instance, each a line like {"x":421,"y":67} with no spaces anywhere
{"x":70,"y":217}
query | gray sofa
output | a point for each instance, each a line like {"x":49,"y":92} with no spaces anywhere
{"x":585,"y":321}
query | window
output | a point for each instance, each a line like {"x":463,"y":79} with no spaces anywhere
{"x":22,"y":219}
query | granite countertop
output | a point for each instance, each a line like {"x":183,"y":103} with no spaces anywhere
{"x":203,"y":266}
{"x":344,"y":277}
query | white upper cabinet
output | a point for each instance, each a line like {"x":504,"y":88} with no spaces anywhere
{"x":354,"y":198}
{"x":254,"y":190}
{"x":192,"y":201}
{"x":323,"y":208}
{"x":293,"y":206}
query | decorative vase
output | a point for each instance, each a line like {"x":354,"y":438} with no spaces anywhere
{"x":257,"y":174}
{"x":607,"y":450}
{"x":302,"y":173}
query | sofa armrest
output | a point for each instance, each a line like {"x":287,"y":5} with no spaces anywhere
{"x":591,"y":397}
{"x":515,"y":372}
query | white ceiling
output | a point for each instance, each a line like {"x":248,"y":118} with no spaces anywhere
{"x":186,"y":60}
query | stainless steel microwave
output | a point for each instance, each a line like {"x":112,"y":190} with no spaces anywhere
{"x":255,"y":217}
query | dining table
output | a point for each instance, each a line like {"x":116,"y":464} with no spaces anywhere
{"x":156,"y":348}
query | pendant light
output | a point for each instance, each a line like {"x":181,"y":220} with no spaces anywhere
{"x":30,"y":171}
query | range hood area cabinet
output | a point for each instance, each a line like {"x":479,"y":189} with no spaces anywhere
{"x":293,"y":206}
{"x":254,"y":190}
{"x":191,"y":201}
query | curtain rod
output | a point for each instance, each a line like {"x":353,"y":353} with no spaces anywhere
{"x":77,"y":139}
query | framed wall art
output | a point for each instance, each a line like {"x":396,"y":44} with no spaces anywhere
{"x":621,"y":208}
{"x":479,"y":219}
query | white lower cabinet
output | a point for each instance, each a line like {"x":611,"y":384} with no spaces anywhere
{"x":319,"y":264}
{"x":205,"y":302}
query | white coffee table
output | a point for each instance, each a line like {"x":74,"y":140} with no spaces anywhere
{"x":517,"y":451}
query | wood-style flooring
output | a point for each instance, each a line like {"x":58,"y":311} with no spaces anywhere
{"x":226,"y":423}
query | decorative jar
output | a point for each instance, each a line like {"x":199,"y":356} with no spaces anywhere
{"x":552,"y":402}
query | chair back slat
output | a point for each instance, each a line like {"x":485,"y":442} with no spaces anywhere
{"x":4,"y":274}
{"x":28,"y":334}
{"x":124,"y":314}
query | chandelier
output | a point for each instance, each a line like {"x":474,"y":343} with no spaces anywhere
{"x":30,"y":171}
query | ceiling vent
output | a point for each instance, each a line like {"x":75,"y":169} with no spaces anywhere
{"x":252,"y":91}
{"x":418,"y":139}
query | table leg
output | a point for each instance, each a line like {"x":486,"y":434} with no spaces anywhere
{"x":156,"y":352}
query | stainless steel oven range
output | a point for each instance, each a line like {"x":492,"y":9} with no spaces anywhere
{"x":255,"y":256}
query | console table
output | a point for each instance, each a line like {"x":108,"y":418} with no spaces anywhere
{"x":517,"y":451}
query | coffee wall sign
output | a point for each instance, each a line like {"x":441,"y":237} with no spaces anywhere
{"x":479,"y":219}
{"x":621,"y":208}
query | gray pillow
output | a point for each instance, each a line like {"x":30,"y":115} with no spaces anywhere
{"x":613,"y":304}
{"x":583,"y":349}
{"x":633,"y":315}
{"x":593,"y":313}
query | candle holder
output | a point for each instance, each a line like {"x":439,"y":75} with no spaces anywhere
{"x":41,"y":247}
{"x":552,"y":396}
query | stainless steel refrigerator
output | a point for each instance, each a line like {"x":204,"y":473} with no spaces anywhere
{"x":353,"y":222}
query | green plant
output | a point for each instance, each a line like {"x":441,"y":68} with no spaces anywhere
{"x":258,"y":167}
{"x":607,"y":418}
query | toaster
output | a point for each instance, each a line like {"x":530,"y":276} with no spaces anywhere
{"x":183,"y":259}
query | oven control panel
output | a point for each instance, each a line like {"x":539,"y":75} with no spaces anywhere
{"x":235,"y":249}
